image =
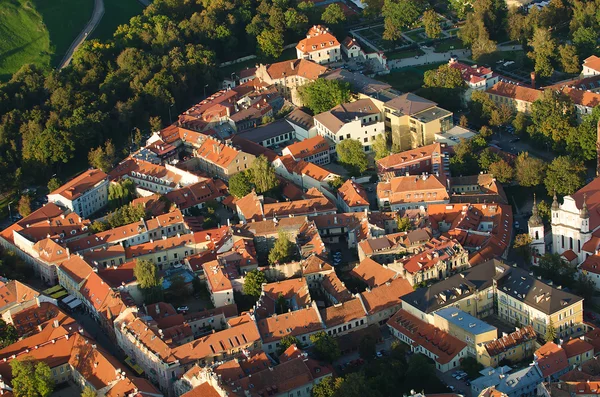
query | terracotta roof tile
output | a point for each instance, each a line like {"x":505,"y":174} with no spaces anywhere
{"x":353,"y":194}
{"x":80,"y":184}
{"x":373,"y":273}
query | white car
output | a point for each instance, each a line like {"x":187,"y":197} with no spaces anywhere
{"x":183,"y":309}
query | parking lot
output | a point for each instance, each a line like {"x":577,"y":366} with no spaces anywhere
{"x":460,"y":386}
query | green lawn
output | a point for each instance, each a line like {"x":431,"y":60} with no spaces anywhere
{"x":404,"y":54}
{"x":116,"y":12}
{"x":64,"y":19}
{"x":448,"y":45}
{"x":38,"y":31}
{"x":416,"y":35}
{"x":491,"y":59}
{"x":407,"y":79}
{"x":23,"y":37}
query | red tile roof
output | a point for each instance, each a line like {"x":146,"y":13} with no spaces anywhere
{"x":318,"y":38}
{"x":576,"y":346}
{"x":385,"y":296}
{"x":308,"y":147}
{"x":373,"y":273}
{"x":299,"y":322}
{"x":438,"y":342}
{"x":592,"y":62}
{"x":343,"y":313}
{"x":296,"y":67}
{"x":353,"y":194}
{"x":551,"y":359}
{"x":511,"y":340}
{"x":517,"y":92}
{"x":592,"y":193}
{"x":217,"y":153}
{"x":80,"y":184}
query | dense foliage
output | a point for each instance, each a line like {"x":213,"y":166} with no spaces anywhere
{"x":31,"y":378}
{"x":282,"y":250}
{"x":253,"y":283}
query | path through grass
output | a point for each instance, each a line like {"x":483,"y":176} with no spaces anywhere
{"x":116,"y":12}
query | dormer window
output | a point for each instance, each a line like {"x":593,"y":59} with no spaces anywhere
{"x":314,"y":47}
{"x":322,"y":45}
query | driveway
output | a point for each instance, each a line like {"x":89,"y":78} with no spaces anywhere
{"x":97,"y":15}
{"x":460,"y":387}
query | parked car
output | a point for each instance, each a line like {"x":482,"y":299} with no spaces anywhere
{"x":183,"y":309}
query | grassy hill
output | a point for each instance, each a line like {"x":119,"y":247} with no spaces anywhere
{"x":38,"y":31}
{"x":23,"y":37}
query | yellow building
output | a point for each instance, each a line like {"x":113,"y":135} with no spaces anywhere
{"x":465,"y":327}
{"x":412,"y":121}
{"x":514,"y":347}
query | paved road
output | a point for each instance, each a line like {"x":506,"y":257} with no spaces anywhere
{"x":87,"y":30}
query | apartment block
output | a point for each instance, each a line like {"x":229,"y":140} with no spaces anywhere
{"x":84,"y":195}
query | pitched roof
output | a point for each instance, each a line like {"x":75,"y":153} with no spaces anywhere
{"x":517,"y":92}
{"x":417,"y":160}
{"x":373,"y":273}
{"x":576,"y":346}
{"x":318,"y":38}
{"x":434,"y":251}
{"x":438,"y":342}
{"x":551,"y":359}
{"x":592,"y":193}
{"x":511,"y":340}
{"x":218,"y":280}
{"x":592,"y":62}
{"x":308,"y":147}
{"x":386,"y":295}
{"x":192,"y":195}
{"x":267,"y":131}
{"x":335,"y":287}
{"x":335,"y":118}
{"x":296,"y":67}
{"x":409,"y":104}
{"x":76,"y":268}
{"x":294,"y":323}
{"x":353,"y":194}
{"x":343,"y":313}
{"x":217,"y":152}
{"x":301,"y":119}
{"x":80,"y":184}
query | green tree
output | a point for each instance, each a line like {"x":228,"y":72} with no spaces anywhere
{"x":103,"y":158}
{"x":327,"y":387}
{"x":355,"y":385}
{"x":569,"y":59}
{"x":31,"y":378}
{"x":281,"y":305}
{"x":502,"y":171}
{"x":543,"y":50}
{"x":475,"y":34}
{"x":554,"y":117}
{"x":337,"y":182}
{"x":263,"y":175}
{"x":443,"y":77}
{"x":530,"y":171}
{"x":463,"y":121}
{"x":323,"y":95}
{"x":501,"y":115}
{"x":240,"y":184}
{"x":156,"y":123}
{"x":486,"y":132}
{"x":461,"y":7}
{"x":352,"y":156}
{"x":544,"y":210}
{"x":267,"y":119}
{"x":333,"y":14}
{"x":431,"y":22}
{"x":404,"y":223}
{"x":585,"y":286}
{"x":487,"y":158}
{"x":367,"y":348}
{"x":564,"y":175}
{"x":522,"y":246}
{"x":270,"y":43}
{"x":380,"y":147}
{"x":24,"y":205}
{"x":398,"y":15}
{"x":282,"y":250}
{"x":550,"y":335}
{"x":585,"y":40}
{"x":253,"y":283}
{"x":53,"y":184}
{"x":520,"y":123}
{"x":149,"y":282}
{"x":286,"y":342}
{"x":88,"y":392}
{"x":582,"y":143}
{"x":8,"y":334}
{"x":325,"y":346}
{"x":464,"y":161}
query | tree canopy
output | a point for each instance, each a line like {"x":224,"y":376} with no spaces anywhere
{"x":31,"y":378}
{"x":325,"y":346}
{"x":282,"y":250}
{"x":103,"y":158}
{"x":8,"y":334}
{"x":253,"y":283}
{"x":398,"y":15}
{"x":263,"y":175}
{"x":322,"y":94}
{"x":530,"y":171}
{"x":564,"y":175}
{"x":352,"y":156}
{"x":240,"y":184}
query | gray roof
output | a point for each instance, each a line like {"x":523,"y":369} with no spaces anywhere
{"x":267,"y":131}
{"x":526,"y":288}
{"x":301,"y":119}
{"x":513,"y":384}
{"x":410,"y":104}
{"x":433,"y":113}
{"x":335,"y":118}
{"x":358,"y":82}
{"x":490,"y":377}
{"x":465,"y":321}
{"x":446,"y":292}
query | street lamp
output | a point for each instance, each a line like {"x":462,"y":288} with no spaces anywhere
{"x":232,"y":79}
{"x":170,"y":119}
{"x":205,"y":91}
{"x":9,"y":211}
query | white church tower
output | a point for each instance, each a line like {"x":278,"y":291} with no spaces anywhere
{"x":536,"y":232}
